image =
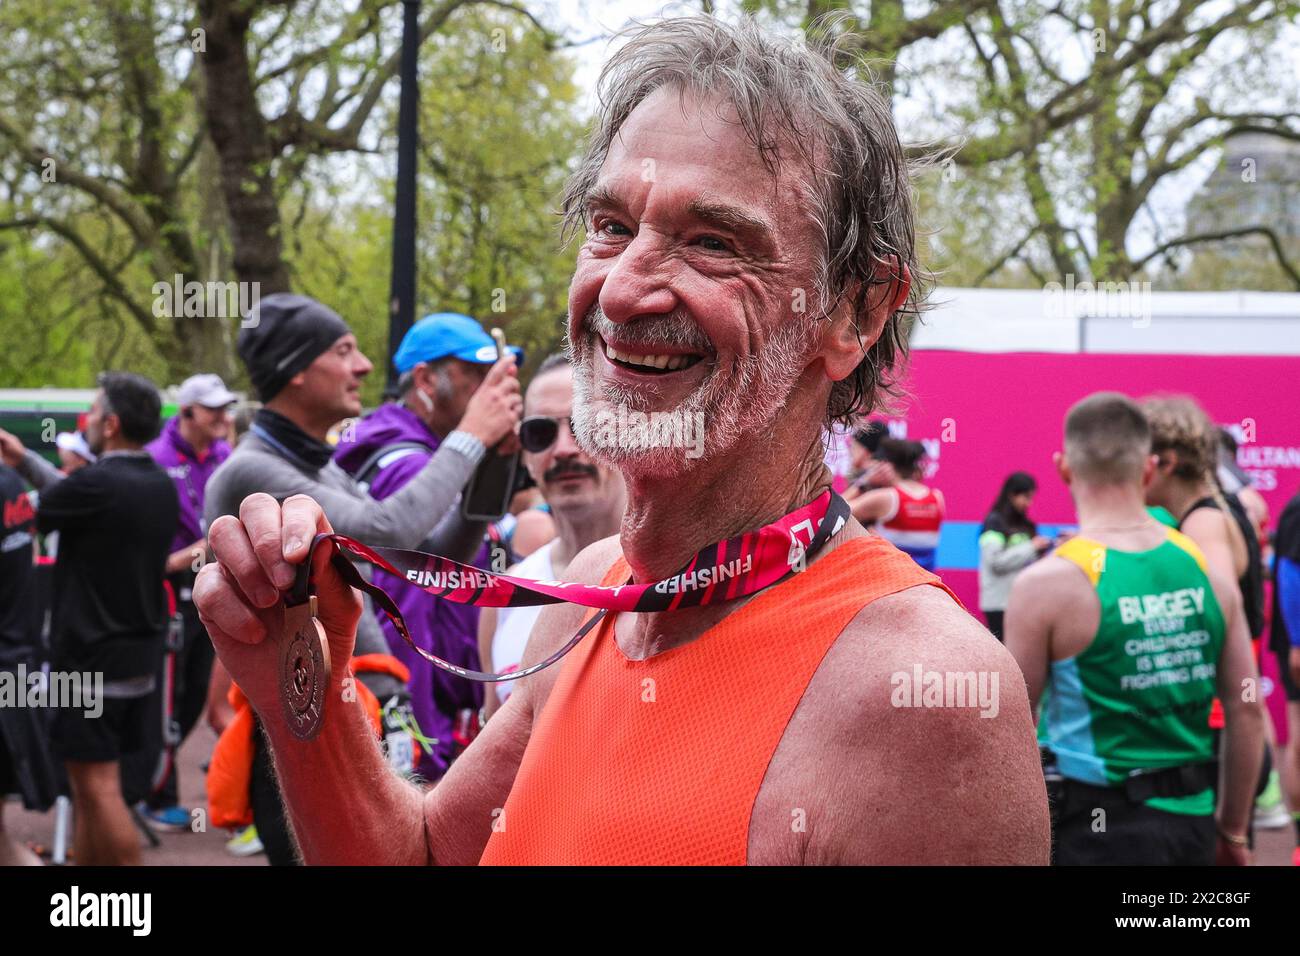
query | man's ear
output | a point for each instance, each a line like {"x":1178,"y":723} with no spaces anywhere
{"x":894,"y":282}
{"x":1151,"y":467}
{"x":1062,"y":468}
{"x":851,"y":334}
{"x":111,"y":426}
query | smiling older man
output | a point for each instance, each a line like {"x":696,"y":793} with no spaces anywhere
{"x":748,"y":250}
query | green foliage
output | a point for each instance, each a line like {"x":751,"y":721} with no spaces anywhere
{"x":500,"y":130}
{"x":499,"y":133}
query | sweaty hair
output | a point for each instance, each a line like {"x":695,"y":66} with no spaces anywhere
{"x":136,"y":403}
{"x":1178,"y":424}
{"x":1107,"y":439}
{"x":799,"y":101}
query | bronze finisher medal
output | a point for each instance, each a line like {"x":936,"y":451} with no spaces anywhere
{"x":304,"y":661}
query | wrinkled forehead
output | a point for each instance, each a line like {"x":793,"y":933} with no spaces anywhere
{"x":679,"y":151}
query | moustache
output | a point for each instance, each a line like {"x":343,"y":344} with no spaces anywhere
{"x":675,"y":329}
{"x":569,"y":467}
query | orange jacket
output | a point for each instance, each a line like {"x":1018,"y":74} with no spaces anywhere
{"x":230,"y":772}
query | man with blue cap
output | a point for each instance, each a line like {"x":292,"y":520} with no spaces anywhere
{"x":442,"y":362}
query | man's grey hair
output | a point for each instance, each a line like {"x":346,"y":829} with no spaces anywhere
{"x":406,"y":380}
{"x":549,"y":364}
{"x":798,"y":97}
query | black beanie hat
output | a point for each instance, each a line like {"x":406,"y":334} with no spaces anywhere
{"x":282,"y":335}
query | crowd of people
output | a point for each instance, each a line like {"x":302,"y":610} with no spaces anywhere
{"x":715,"y":718}
{"x":1162,"y":508}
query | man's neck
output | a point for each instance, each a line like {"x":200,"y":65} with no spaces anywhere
{"x":668,"y":520}
{"x":290,"y":410}
{"x":1181,"y":497}
{"x":1110,"y":508}
{"x":577,"y":528}
{"x":196,"y":437}
{"x":415,"y":407}
{"x":116,"y":444}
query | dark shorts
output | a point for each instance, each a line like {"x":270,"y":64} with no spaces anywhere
{"x":1134,"y":834}
{"x":125,"y":726}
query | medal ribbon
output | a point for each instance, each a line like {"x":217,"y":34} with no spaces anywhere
{"x":725,"y":571}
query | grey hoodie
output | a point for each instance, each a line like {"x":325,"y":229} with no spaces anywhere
{"x":402,"y":520}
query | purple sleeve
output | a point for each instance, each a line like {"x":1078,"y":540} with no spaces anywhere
{"x":390,"y":480}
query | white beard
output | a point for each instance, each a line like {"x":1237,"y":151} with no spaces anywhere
{"x":731,"y":407}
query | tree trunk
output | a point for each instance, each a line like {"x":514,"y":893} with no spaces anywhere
{"x":239,"y":134}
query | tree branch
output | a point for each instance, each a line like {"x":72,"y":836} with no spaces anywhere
{"x":1292,"y":273}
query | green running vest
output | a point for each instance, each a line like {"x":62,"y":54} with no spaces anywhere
{"x":1138,"y":697}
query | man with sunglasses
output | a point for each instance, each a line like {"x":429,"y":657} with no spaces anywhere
{"x":586,"y":500}
{"x":442,"y":361}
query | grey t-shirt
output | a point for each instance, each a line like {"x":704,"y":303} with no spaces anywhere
{"x":403,"y":520}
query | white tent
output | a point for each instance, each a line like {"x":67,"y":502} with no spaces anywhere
{"x":1113,"y":318}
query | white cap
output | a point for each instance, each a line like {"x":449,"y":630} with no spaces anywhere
{"x":207,"y":390}
{"x":75,"y":442}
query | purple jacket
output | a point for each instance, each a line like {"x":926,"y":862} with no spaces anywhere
{"x":441,"y":627}
{"x":190,"y":474}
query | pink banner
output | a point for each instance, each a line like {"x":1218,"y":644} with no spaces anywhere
{"x":983,"y":416}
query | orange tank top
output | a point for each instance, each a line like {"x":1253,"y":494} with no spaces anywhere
{"x":658,"y":762}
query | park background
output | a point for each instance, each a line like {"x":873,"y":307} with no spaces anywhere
{"x":1153,"y":143}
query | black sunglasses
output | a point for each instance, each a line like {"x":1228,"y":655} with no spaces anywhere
{"x":538,"y":432}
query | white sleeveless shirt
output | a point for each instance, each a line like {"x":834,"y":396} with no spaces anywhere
{"x":514,"y":624}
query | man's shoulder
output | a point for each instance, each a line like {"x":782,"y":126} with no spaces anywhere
{"x":1056,"y":572}
{"x":921,"y":625}
{"x":914,"y":697}
{"x":237,"y":477}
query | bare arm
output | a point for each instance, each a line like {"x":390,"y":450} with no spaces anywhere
{"x":1028,"y":631}
{"x":1243,"y":732}
{"x":1213,"y":532}
{"x":487,"y":627}
{"x":874,"y":505}
{"x":345,"y":804}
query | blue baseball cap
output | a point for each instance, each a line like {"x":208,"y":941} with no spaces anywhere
{"x":448,"y":335}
